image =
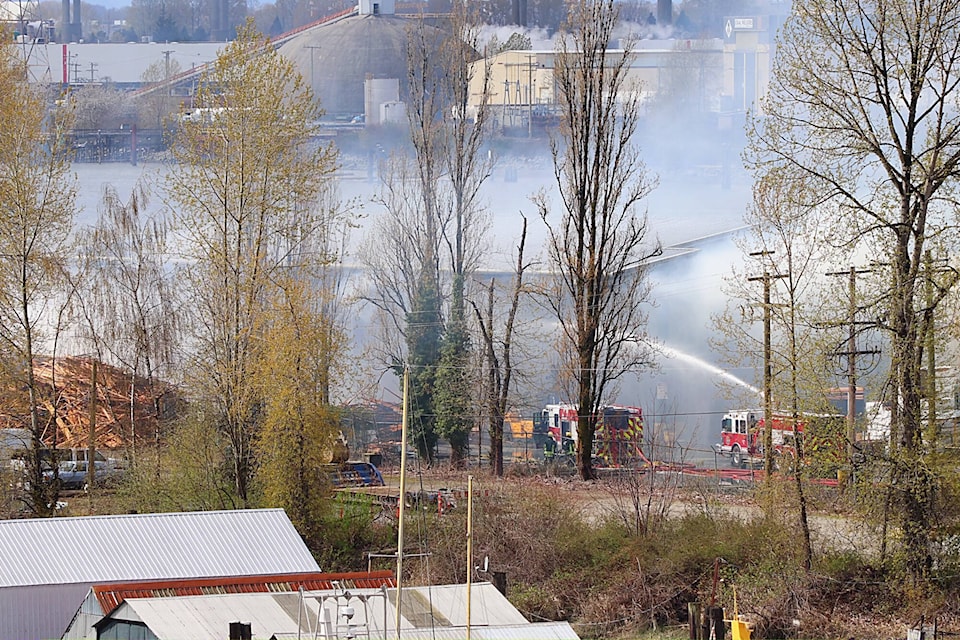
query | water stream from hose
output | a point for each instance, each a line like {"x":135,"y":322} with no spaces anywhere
{"x":676,"y":354}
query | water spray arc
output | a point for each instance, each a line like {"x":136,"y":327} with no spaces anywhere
{"x":676,"y":354}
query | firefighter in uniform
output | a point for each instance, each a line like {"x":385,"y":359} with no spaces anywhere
{"x":549,"y":448}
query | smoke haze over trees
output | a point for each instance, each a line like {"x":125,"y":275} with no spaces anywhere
{"x":190,"y":20}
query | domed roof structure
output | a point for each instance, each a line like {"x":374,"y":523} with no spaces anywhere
{"x":336,"y":58}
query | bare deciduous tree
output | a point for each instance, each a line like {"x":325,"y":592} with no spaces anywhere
{"x":436,"y":226}
{"x":157,"y":105}
{"x":129,"y":300}
{"x":600,"y":243}
{"x":499,"y":356}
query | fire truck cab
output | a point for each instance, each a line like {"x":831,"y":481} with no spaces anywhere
{"x":560,"y":426}
{"x":741,"y":437}
{"x":737,"y":436}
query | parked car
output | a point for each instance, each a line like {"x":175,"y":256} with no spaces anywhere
{"x":72,"y":474}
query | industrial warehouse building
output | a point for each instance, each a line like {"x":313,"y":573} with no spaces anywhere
{"x":49,"y":565}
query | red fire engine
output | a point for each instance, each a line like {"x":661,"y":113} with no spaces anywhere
{"x":741,"y":437}
{"x":617,"y":441}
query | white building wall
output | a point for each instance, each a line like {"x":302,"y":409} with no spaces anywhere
{"x":376,"y":92}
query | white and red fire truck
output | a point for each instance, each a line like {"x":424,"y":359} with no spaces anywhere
{"x":618,"y":438}
{"x":741,"y":437}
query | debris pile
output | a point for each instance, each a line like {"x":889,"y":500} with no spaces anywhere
{"x":65,"y":386}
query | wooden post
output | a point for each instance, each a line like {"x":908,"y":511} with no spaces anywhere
{"x":693,"y":619}
{"x":92,"y":442}
{"x":716,"y":619}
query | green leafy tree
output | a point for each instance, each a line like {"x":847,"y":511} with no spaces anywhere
{"x":862,"y":104}
{"x":244,"y":187}
{"x":599,"y":244}
{"x":37,"y":204}
{"x":452,"y":398}
{"x":424,"y":322}
{"x":196,"y":469}
{"x":423,"y":334}
{"x":300,"y":427}
{"x":787,"y":245}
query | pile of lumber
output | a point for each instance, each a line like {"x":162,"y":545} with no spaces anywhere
{"x":64,"y":403}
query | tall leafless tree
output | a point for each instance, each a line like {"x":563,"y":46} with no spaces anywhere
{"x":467,"y":168}
{"x":499,"y":355}
{"x":433,"y":226}
{"x":599,"y":243}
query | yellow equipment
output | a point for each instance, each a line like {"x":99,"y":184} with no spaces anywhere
{"x":738,"y":628}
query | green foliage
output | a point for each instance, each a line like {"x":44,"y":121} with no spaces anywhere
{"x":863,"y":168}
{"x":535,"y":601}
{"x":824,"y":446}
{"x":299,"y":345}
{"x":192,"y":472}
{"x":424,"y":331}
{"x":595,"y":573}
{"x":245,"y":192}
{"x":37,"y":204}
{"x":344,"y":533}
{"x":453,"y":384}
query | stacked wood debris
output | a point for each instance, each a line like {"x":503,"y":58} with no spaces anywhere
{"x":65,"y":386}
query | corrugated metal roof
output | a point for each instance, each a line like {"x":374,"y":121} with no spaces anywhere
{"x":150,"y":547}
{"x":487,"y":605}
{"x":199,"y":617}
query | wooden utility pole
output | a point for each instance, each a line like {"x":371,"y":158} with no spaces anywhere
{"x":92,"y":441}
{"x":851,"y":353}
{"x":767,"y":367}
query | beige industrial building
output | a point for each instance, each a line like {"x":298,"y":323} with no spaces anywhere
{"x":726,"y":75}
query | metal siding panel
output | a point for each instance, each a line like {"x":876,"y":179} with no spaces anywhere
{"x":43,"y":611}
